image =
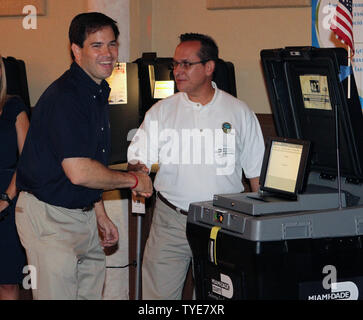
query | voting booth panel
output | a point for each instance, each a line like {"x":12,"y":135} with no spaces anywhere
{"x":247,"y":246}
{"x":157,"y":79}
{"x":306,"y":85}
{"x":124,"y":115}
{"x":224,"y":76}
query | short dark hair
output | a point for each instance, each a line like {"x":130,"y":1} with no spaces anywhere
{"x":85,"y":23}
{"x":208,"y":50}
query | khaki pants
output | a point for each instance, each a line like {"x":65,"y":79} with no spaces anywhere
{"x":167,"y":255}
{"x":63,"y":246}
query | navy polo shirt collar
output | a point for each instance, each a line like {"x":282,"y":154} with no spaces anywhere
{"x":95,"y":88}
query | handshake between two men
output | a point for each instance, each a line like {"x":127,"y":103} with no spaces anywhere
{"x":143,"y":184}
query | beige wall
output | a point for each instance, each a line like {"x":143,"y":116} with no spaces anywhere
{"x":45,"y":49}
{"x":140,"y":27}
{"x":239,"y":33}
{"x":119,"y":10}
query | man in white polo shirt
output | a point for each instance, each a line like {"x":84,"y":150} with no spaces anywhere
{"x":202,"y":138}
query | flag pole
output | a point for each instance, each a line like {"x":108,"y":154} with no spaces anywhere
{"x":349,"y":72}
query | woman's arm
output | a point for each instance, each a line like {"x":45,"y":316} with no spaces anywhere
{"x":21,"y":126}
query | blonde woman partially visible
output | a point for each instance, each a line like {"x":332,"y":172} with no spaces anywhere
{"x":14,"y":125}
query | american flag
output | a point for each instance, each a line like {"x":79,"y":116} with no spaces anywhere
{"x":342,"y":23}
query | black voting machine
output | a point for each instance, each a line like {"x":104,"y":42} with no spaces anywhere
{"x":283,"y":255}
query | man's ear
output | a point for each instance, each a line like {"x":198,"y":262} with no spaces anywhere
{"x":76,"y":51}
{"x":210,"y":66}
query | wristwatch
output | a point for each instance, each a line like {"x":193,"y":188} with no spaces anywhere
{"x":4,"y":196}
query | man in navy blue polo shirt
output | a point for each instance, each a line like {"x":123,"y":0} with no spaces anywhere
{"x":62,"y":171}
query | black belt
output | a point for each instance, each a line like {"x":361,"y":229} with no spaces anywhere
{"x":91,"y":206}
{"x":84,"y":209}
{"x":88,"y":208}
{"x":170,"y":205}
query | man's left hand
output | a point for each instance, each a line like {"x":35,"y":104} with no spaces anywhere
{"x":108,"y":232}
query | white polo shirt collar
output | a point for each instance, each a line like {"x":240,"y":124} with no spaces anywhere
{"x":199,"y":106}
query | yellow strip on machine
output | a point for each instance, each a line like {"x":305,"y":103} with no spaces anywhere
{"x":213,"y":244}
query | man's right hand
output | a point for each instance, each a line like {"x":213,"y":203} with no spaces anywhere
{"x":137,"y":166}
{"x":144,"y":187}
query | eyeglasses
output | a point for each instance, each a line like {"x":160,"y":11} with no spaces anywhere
{"x":186,"y":64}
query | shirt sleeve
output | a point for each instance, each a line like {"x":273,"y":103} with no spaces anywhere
{"x":15,"y":106}
{"x":254,"y":146}
{"x":70,"y":129}
{"x":144,"y":146}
